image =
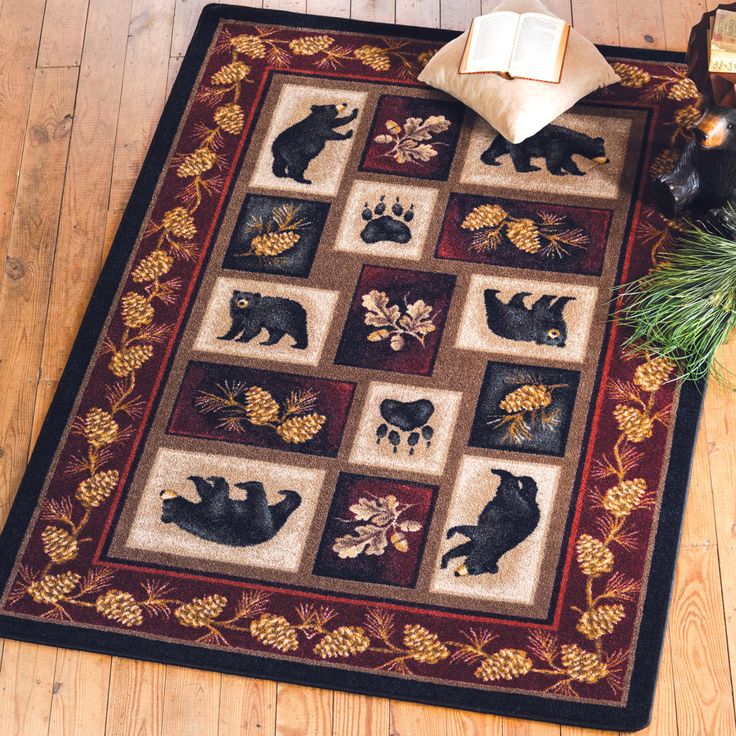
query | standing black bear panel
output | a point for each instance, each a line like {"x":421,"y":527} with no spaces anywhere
{"x":299,"y":144}
{"x":218,"y":518}
{"x":505,"y":522}
{"x":555,"y":144}
{"x":250,"y":313}
{"x":542,"y":323}
{"x":410,"y":417}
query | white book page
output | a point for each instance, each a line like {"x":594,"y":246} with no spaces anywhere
{"x":491,"y":42}
{"x":537,"y":51}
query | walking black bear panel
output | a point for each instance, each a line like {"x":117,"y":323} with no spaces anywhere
{"x":405,"y":416}
{"x":294,"y":148}
{"x":218,"y":518}
{"x":541,"y":323}
{"x":506,"y":521}
{"x":250,"y":313}
{"x":555,"y":144}
{"x":382,"y":227}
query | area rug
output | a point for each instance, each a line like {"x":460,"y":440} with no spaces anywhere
{"x":348,"y":407}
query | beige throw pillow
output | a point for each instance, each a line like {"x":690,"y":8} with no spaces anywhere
{"x":518,"y":108}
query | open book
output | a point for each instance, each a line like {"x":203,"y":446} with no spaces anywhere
{"x":527,"y":45}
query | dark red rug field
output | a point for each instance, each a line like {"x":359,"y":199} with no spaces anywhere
{"x":348,"y":408}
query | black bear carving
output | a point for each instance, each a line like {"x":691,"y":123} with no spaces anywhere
{"x":555,"y":144}
{"x":294,"y":148}
{"x":506,"y":521}
{"x":541,"y":323}
{"x":250,"y":313}
{"x":218,"y":518}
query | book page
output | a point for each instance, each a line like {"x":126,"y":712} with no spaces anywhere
{"x":490,"y":42}
{"x":722,"y":47}
{"x":540,"y":47}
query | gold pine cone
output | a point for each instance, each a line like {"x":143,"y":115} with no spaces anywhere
{"x":687,"y":117}
{"x":261,"y":408}
{"x":249,"y":45}
{"x":230,"y":118}
{"x":526,"y":398}
{"x":425,"y":647}
{"x":636,"y":425}
{"x":127,"y":360}
{"x":121,"y":607}
{"x":632,"y":76}
{"x":598,"y":622}
{"x":485,"y":215}
{"x":505,"y":664}
{"x":593,"y":556}
{"x":374,"y":57}
{"x":97,"y":489}
{"x":99,"y":427}
{"x":52,"y":588}
{"x":179,"y":222}
{"x":651,"y":375}
{"x":683,"y":89}
{"x":296,"y":430}
{"x":663,"y":163}
{"x":231,"y":73}
{"x":274,"y":631}
{"x":425,"y":56}
{"x":342,"y":642}
{"x":272,"y":244}
{"x":137,"y":310}
{"x":524,"y":234}
{"x":154,"y":265}
{"x":196,"y":163}
{"x":624,"y":497}
{"x":58,"y":544}
{"x":583,"y":666}
{"x":200,"y":612}
{"x":310,"y":45}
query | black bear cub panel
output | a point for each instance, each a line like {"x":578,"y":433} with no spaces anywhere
{"x":541,"y":323}
{"x":294,"y":148}
{"x":555,"y":144}
{"x":506,"y":521}
{"x":218,"y":518}
{"x":250,"y":313}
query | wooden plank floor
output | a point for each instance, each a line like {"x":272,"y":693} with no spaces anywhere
{"x":82,"y":84}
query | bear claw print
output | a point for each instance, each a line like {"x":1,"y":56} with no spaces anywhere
{"x":382,"y":227}
{"x":410,"y":417}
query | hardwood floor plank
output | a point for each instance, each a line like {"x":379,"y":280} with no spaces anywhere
{"x":62,"y":35}
{"x":646,"y":33}
{"x":464,"y":723}
{"x":678,"y":17}
{"x":191,"y":702}
{"x":303,"y":711}
{"x":360,"y":715}
{"x":597,"y":21}
{"x":247,"y":707}
{"x":380,"y":11}
{"x":517,"y":727}
{"x":458,"y":14}
{"x":419,"y":13}
{"x":563,"y":8}
{"x":135,"y":703}
{"x":330,"y":8}
{"x":415,"y":719}
{"x":295,"y":6}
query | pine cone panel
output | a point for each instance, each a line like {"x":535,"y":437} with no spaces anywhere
{"x":485,"y":215}
{"x":297,"y":430}
{"x":273,"y":244}
{"x":683,"y":89}
{"x":526,"y":398}
{"x":524,"y":234}
{"x":261,"y":408}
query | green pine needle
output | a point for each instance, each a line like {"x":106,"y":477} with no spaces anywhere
{"x":685,"y":309}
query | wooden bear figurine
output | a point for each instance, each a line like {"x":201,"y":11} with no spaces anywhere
{"x":704,"y":179}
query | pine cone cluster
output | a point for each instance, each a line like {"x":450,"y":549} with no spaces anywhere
{"x":374,"y":56}
{"x":137,"y":310}
{"x":485,"y":215}
{"x":99,"y":427}
{"x":59,"y":544}
{"x":130,"y":359}
{"x":583,"y":666}
{"x":273,"y":244}
{"x":593,"y":556}
{"x":310,"y":45}
{"x":424,"y":646}
{"x":636,"y":425}
{"x":196,"y":163}
{"x":274,"y":631}
{"x":683,"y":89}
{"x":597,"y":622}
{"x":230,"y":118}
{"x":624,"y":497}
{"x":201,"y":612}
{"x":249,"y":45}
{"x":651,"y":375}
{"x":688,"y":116}
{"x":155,"y":264}
{"x":121,"y":607}
{"x":526,"y":398}
{"x":296,"y":430}
{"x":52,"y":588}
{"x":261,"y":408}
{"x":663,"y":163}
{"x":97,"y":489}
{"x":231,"y":73}
{"x":342,"y":642}
{"x":632,"y":76}
{"x":180,"y":223}
{"x":505,"y":664}
{"x":524,"y":234}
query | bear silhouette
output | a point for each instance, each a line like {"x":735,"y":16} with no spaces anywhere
{"x":555,"y":144}
{"x":541,"y":323}
{"x":295,"y":147}
{"x":250,"y":313}
{"x":218,"y":518}
{"x":506,"y":521}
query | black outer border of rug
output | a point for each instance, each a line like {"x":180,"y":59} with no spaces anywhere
{"x":635,"y":715}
